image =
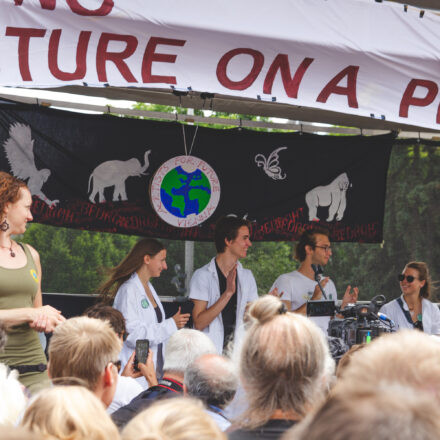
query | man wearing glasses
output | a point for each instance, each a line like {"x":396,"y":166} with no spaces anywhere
{"x":299,"y":286}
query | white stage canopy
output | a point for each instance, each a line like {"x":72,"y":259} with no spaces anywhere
{"x":352,"y":62}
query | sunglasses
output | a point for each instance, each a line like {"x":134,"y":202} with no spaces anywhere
{"x":409,"y":278}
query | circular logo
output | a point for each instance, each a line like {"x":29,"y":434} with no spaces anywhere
{"x":34,"y":275}
{"x":144,"y":303}
{"x":185,"y":191}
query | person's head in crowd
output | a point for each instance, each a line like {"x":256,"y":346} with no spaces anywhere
{"x":406,"y":357}
{"x":173,"y":419}
{"x":12,"y":397}
{"x":308,"y":242}
{"x":145,"y":248}
{"x":110,"y":314}
{"x":388,"y":412}
{"x":18,"y":433}
{"x":212,"y":379}
{"x":284,"y":364}
{"x":86,"y":349}
{"x":421,"y":280}
{"x":346,"y":358}
{"x":227,"y":229}
{"x":69,"y":413}
{"x":183,"y":348}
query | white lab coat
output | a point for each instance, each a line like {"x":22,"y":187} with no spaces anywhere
{"x":140,"y":318}
{"x":204,"y":286}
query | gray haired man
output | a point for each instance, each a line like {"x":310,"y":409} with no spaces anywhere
{"x":212,"y":379}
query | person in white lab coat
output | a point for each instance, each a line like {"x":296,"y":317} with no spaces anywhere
{"x":134,"y":296}
{"x":222,"y":289}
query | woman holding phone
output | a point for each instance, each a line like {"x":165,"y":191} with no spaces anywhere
{"x":134,"y":296}
{"x":413,"y":308}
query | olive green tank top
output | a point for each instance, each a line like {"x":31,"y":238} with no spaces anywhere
{"x":18,"y":288}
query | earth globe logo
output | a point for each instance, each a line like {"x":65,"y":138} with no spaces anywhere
{"x":185,"y":191}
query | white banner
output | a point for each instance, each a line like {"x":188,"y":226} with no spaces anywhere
{"x":352,"y":56}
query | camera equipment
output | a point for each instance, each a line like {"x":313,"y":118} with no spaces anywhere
{"x":361,"y":322}
{"x":321,"y":308}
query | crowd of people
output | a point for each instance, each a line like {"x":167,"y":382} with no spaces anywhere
{"x":251,"y":367}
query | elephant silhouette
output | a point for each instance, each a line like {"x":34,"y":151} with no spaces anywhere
{"x":115,"y":173}
{"x":332,"y":195}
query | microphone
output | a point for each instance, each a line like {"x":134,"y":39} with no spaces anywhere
{"x":384,"y":317}
{"x":318,"y":271}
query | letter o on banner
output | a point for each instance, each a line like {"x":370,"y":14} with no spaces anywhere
{"x":105,"y":8}
{"x":249,"y":79}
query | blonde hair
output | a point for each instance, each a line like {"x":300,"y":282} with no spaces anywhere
{"x":407,"y":357}
{"x":388,"y":412}
{"x":18,"y":433}
{"x":346,"y":358}
{"x":13,"y":400}
{"x":82,"y":347}
{"x":284,"y":362}
{"x":179,"y":418}
{"x":69,"y":413}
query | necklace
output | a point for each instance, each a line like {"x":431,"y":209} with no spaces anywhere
{"x":12,"y":253}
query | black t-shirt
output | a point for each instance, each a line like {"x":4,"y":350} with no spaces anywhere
{"x":229,"y":313}
{"x":273,"y":429}
{"x":159,"y":361}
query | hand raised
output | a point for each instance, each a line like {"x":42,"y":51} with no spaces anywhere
{"x":148,"y":370}
{"x":181,"y":318}
{"x":317,"y":294}
{"x":129,"y":370}
{"x":231,"y":280}
{"x":350,"y":296}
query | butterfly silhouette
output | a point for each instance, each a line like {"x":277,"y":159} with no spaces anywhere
{"x":271,"y":165}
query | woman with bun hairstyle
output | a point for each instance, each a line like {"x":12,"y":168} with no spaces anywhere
{"x":134,"y":296}
{"x":284,"y":368}
{"x":21,"y":303}
{"x":413,"y":308}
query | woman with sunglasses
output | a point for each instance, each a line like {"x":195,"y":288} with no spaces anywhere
{"x":413,"y":308}
{"x":132,"y":293}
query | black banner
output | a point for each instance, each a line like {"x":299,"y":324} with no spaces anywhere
{"x":281,"y":182}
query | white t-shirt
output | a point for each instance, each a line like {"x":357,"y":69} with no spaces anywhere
{"x":298,"y":289}
{"x":430,"y":315}
{"x":127,"y":389}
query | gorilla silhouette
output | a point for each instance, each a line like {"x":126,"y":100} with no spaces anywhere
{"x":332,"y":195}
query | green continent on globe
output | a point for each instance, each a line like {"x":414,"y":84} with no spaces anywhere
{"x":201,"y":194}
{"x":185,"y":193}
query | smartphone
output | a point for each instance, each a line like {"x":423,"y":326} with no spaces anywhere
{"x":186,"y":307}
{"x":142,"y":347}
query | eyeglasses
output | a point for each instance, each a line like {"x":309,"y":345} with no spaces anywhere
{"x":409,"y":278}
{"x":117,"y":364}
{"x":326,"y":248}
